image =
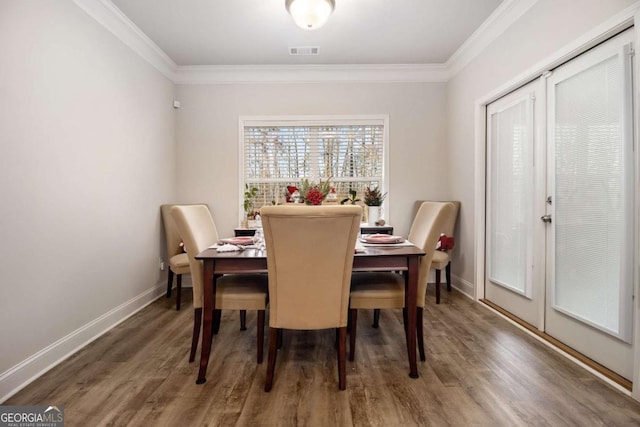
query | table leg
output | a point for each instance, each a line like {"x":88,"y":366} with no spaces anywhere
{"x":411,"y":299}
{"x":209,"y":290}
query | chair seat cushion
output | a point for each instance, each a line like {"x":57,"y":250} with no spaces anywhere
{"x":242,"y":292}
{"x":440,"y":260}
{"x":179,"y":264}
{"x":377,"y":290}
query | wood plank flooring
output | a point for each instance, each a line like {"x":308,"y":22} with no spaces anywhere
{"x":480,"y":371}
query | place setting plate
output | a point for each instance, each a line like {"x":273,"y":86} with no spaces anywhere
{"x":382,"y":239}
{"x":239,"y":240}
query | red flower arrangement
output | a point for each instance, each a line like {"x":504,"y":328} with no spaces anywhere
{"x":314,"y":197}
{"x":308,"y":192}
{"x":312,"y":193}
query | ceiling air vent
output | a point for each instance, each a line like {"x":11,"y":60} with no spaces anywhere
{"x":304,"y":50}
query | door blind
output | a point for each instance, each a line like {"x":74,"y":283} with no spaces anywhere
{"x":510,"y":196}
{"x":593,"y":190}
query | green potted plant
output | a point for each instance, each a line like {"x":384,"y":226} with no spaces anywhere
{"x":250,"y":195}
{"x":373,"y":198}
{"x":352,"y":199}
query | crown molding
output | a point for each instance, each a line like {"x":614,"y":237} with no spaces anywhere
{"x":112,"y":18}
{"x":502,"y":18}
{"x":615,"y":24}
{"x":228,"y":74}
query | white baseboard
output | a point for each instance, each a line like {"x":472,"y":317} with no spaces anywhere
{"x":16,"y":378}
{"x":463,"y":286}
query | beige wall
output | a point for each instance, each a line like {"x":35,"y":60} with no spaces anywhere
{"x":207,"y":129}
{"x":86,"y":158}
{"x":544,"y":29}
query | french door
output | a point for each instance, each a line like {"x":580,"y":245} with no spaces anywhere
{"x":515,"y":241}
{"x":560,"y":204}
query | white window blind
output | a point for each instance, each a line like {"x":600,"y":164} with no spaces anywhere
{"x":276,"y":153}
{"x":594,"y":193}
{"x":510,"y":191}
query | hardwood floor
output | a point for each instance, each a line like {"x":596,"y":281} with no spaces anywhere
{"x":480,"y":371}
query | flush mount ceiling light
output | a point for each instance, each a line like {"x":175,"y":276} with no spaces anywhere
{"x":310,"y":14}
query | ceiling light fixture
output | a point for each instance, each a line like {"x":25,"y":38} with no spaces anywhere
{"x":310,"y":14}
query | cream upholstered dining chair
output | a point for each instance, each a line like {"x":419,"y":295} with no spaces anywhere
{"x":310,"y":253}
{"x":386,"y":290}
{"x":442,"y":259}
{"x":178,"y":260}
{"x":233,"y":291}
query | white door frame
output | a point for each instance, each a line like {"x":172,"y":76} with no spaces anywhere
{"x":625,"y":19}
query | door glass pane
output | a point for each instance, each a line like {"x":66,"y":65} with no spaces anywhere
{"x":510,"y":196}
{"x":589,"y":195}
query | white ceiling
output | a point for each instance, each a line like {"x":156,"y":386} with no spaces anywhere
{"x":260,"y":32}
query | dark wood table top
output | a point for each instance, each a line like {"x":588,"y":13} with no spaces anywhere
{"x":370,"y":251}
{"x":375,"y":258}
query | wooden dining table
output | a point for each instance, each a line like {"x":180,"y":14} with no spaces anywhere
{"x":374,"y":258}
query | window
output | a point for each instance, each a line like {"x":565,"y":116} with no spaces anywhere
{"x":276,"y":152}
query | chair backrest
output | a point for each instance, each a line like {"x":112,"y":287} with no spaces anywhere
{"x":424,"y":233}
{"x":310,"y":253}
{"x":450,"y":225}
{"x":198,"y":231}
{"x":172,"y":237}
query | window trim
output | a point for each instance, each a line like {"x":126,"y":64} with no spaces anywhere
{"x":315,"y":120}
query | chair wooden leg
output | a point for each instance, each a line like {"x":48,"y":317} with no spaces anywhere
{"x":376,"y":318}
{"x":420,"y":332}
{"x":169,"y":283}
{"x":217,"y":315}
{"x":404,"y":320}
{"x":178,"y":291}
{"x":243,"y":320}
{"x":279,"y":341}
{"x":342,"y":352}
{"x":260,"y":333}
{"x":353,"y":316}
{"x":271,"y":362}
{"x":438,"y":286}
{"x":197,"y":322}
{"x":447,"y":273}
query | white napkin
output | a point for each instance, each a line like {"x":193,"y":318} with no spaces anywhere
{"x":360,"y":249}
{"x":231,"y":248}
{"x":228,"y":248}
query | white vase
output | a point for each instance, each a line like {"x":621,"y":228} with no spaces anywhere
{"x":373,"y":214}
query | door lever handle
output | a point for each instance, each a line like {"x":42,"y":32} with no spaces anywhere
{"x":546,"y":218}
